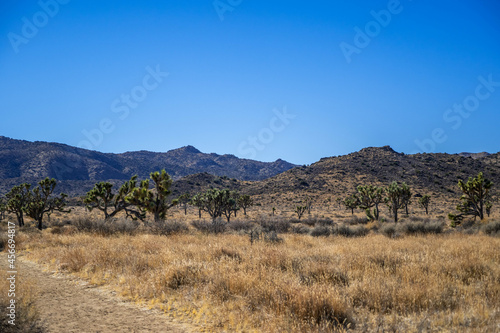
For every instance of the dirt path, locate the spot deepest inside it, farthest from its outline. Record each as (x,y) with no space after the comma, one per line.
(67,305)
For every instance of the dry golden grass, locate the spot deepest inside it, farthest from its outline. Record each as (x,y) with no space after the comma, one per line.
(26,314)
(305,284)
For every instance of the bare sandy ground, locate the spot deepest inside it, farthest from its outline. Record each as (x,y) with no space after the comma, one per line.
(67,305)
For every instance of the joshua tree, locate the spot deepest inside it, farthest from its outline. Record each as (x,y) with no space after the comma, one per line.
(41,203)
(17,200)
(309,205)
(229,203)
(370,196)
(184,201)
(245,201)
(351,202)
(299,210)
(101,197)
(487,206)
(474,199)
(406,197)
(154,200)
(217,203)
(197,201)
(424,203)
(395,198)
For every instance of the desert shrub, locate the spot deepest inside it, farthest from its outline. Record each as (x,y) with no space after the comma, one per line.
(324,222)
(271,237)
(353,220)
(411,228)
(389,229)
(56,230)
(300,229)
(177,277)
(317,221)
(168,227)
(106,228)
(210,227)
(320,231)
(60,223)
(492,228)
(350,231)
(240,225)
(419,219)
(276,225)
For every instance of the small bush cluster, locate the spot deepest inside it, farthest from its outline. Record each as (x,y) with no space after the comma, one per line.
(241,225)
(210,227)
(350,231)
(168,227)
(320,231)
(412,228)
(315,221)
(106,228)
(274,225)
(492,228)
(356,220)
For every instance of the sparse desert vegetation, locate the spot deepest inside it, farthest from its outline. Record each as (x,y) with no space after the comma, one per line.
(284,271)
(222,282)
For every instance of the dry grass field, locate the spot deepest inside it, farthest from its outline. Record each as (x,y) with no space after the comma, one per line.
(221,282)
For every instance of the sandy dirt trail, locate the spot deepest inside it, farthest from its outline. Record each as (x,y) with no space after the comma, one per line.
(67,304)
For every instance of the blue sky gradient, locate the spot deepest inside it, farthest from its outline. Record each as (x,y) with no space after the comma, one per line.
(257,79)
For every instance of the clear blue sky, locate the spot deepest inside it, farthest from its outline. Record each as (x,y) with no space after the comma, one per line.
(234,65)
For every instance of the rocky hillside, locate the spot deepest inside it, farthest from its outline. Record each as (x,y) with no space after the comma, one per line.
(76,169)
(336,177)
(277,184)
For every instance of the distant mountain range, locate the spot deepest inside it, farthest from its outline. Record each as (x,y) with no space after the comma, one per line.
(273,183)
(76,169)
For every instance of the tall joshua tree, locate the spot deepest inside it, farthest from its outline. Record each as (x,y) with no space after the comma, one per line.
(17,200)
(184,200)
(245,201)
(424,202)
(101,197)
(42,203)
(197,201)
(370,196)
(474,198)
(154,200)
(406,192)
(395,195)
(351,202)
